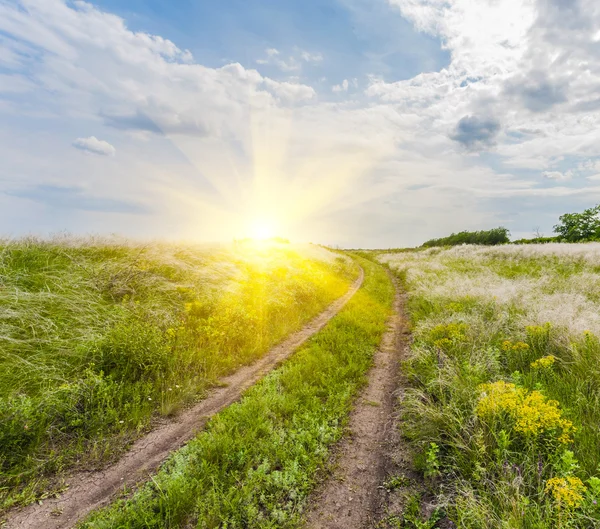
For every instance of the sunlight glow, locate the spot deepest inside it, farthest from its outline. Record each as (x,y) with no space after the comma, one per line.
(277,182)
(262,229)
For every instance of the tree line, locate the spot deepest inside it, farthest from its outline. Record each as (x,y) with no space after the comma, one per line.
(572,227)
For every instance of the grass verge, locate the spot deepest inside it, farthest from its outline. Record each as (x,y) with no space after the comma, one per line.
(98,337)
(257,460)
(504,407)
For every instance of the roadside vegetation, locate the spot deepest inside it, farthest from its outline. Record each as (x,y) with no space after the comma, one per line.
(257,460)
(504,400)
(98,337)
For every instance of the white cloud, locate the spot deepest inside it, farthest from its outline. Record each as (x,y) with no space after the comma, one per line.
(93,145)
(292,63)
(88,63)
(290,91)
(531,64)
(310,57)
(589,165)
(343,87)
(557,175)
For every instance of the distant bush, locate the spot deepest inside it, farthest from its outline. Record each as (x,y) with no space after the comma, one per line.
(487,237)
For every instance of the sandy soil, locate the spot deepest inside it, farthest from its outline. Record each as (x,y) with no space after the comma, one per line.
(90,490)
(354,496)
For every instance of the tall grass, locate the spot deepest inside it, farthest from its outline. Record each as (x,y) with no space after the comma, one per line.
(257,460)
(505,400)
(99,336)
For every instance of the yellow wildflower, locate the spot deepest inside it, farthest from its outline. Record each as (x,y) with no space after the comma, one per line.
(443,343)
(546,362)
(534,330)
(450,331)
(532,413)
(567,492)
(508,345)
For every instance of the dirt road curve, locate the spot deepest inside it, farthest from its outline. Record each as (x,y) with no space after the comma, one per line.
(91,490)
(353,496)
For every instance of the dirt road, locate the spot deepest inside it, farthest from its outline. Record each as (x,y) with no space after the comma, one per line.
(354,497)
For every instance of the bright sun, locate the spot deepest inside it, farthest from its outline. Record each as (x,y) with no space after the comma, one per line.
(263,229)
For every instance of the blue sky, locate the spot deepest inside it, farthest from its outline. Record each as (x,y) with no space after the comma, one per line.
(372,123)
(361,36)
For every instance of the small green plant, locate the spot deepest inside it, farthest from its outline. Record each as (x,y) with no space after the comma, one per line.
(414,518)
(396,482)
(432,461)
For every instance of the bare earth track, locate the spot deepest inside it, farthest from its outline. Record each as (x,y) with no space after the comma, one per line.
(353,497)
(90,490)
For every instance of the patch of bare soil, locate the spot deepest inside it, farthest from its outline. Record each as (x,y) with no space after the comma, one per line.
(90,490)
(356,495)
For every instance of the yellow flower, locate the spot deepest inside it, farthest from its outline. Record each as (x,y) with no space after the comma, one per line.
(546,362)
(532,413)
(455,307)
(449,331)
(566,492)
(507,345)
(443,343)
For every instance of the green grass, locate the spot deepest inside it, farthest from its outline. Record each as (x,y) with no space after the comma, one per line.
(258,460)
(500,458)
(98,337)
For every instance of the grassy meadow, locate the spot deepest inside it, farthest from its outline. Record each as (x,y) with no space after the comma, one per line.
(98,337)
(503,408)
(257,460)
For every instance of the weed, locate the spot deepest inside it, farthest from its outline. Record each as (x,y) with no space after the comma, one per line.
(396,482)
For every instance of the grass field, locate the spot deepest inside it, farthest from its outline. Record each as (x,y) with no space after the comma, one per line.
(503,412)
(98,337)
(257,460)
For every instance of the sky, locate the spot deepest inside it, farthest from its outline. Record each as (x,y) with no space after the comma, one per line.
(354,123)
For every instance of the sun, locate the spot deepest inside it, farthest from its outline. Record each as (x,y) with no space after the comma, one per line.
(262,229)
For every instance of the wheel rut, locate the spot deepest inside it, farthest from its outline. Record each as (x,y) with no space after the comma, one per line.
(354,496)
(88,491)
